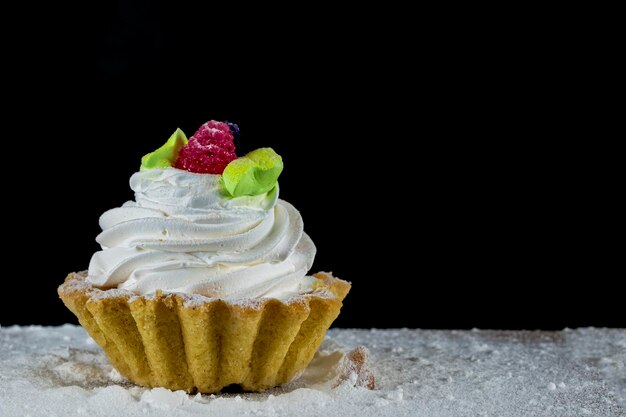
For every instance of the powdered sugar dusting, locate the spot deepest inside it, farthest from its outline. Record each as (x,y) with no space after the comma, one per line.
(59,371)
(112,293)
(77,282)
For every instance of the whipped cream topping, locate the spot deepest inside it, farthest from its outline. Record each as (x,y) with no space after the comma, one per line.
(184,234)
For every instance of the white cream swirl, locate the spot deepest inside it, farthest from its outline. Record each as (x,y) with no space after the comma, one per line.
(183,234)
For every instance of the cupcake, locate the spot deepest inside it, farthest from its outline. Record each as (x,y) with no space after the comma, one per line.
(202,281)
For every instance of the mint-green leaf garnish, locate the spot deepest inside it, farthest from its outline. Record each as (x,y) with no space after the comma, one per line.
(166,155)
(253,174)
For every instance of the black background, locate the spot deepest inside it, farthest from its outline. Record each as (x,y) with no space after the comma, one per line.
(456,181)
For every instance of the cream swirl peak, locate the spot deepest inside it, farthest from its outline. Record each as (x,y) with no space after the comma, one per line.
(183,234)
(225,236)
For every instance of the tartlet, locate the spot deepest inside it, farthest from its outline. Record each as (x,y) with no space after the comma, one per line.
(201,283)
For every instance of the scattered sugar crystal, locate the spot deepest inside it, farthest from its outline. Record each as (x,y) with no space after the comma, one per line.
(115,376)
(163,398)
(396,395)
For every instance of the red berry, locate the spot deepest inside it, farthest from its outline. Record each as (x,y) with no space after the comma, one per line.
(209,150)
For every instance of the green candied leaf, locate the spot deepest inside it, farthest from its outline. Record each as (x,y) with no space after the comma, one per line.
(253,174)
(166,155)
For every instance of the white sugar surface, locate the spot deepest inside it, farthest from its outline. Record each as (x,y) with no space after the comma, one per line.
(60,371)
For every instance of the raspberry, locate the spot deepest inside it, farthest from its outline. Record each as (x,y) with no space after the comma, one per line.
(209,150)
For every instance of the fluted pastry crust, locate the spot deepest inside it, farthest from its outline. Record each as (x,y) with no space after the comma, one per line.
(200,344)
